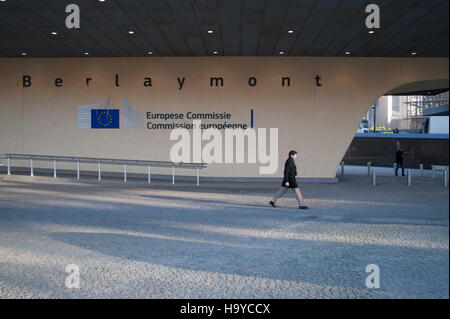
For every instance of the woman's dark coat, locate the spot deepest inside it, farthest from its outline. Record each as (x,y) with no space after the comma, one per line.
(290,172)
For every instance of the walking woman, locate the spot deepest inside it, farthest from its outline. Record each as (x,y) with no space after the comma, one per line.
(289,181)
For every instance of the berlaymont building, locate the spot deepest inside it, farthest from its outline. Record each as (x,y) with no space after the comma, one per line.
(311,70)
(192,99)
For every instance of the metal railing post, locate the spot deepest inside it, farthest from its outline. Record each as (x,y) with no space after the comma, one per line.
(124,172)
(78,169)
(374,177)
(395,168)
(149,175)
(173,175)
(409,177)
(433,172)
(99,172)
(31,167)
(421,169)
(54,168)
(198,177)
(9,167)
(369,166)
(342,168)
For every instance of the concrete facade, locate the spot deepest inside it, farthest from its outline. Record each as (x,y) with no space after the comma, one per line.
(318,121)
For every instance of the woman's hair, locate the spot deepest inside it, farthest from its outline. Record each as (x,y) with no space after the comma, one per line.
(292,153)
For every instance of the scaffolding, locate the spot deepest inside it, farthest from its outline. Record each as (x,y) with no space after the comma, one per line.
(417,103)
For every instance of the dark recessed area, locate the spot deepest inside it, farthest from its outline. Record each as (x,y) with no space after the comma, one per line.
(240,28)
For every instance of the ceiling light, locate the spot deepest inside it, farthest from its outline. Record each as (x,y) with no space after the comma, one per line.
(215,52)
(291,31)
(371,32)
(347,53)
(413,53)
(150,52)
(54,33)
(131,32)
(23,53)
(281,52)
(210,31)
(86,53)
(102,0)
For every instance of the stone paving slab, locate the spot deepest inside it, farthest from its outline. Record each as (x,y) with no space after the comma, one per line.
(222,240)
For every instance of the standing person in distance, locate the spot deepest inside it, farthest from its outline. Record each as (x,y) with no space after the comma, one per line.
(399,160)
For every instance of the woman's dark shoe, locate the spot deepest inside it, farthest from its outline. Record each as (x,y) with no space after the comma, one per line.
(302,207)
(272,204)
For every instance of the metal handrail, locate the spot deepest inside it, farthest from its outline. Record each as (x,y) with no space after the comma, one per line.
(103,160)
(99,161)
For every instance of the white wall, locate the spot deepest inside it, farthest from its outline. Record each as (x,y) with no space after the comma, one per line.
(438,125)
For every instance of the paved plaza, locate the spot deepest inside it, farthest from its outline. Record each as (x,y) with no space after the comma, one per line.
(222,240)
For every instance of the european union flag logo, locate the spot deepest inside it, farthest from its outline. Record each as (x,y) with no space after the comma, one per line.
(105,118)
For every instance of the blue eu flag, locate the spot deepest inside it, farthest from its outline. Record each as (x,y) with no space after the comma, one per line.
(105,118)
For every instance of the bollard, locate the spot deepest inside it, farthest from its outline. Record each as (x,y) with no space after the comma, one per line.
(124,172)
(369,166)
(149,175)
(78,169)
(198,178)
(9,168)
(99,172)
(446,177)
(374,178)
(54,168)
(31,167)
(395,168)
(409,177)
(421,169)
(173,175)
